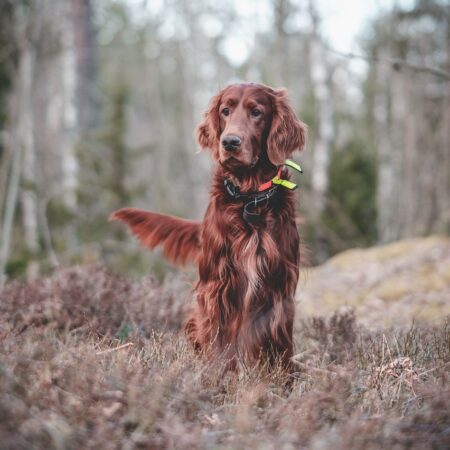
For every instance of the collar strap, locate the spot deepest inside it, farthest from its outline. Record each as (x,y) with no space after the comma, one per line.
(235,192)
(252,199)
(263,194)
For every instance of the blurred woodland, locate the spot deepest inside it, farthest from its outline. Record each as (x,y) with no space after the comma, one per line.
(99,100)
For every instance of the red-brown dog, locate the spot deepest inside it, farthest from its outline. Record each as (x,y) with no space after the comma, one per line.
(247,246)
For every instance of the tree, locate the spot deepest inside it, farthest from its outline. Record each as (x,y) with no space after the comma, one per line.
(410,121)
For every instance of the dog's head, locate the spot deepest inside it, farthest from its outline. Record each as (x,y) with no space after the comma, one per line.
(248,122)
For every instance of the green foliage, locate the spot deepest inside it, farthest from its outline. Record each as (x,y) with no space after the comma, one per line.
(16,267)
(125,331)
(106,154)
(307,113)
(59,214)
(7,60)
(350,215)
(114,139)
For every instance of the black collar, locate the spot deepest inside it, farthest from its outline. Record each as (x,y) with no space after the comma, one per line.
(265,192)
(252,199)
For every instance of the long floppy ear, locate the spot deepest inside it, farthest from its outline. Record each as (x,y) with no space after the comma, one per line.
(208,131)
(287,132)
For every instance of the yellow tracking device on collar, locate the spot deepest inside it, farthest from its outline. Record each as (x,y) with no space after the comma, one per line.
(285,183)
(293,165)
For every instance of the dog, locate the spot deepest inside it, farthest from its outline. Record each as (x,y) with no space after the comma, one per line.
(247,247)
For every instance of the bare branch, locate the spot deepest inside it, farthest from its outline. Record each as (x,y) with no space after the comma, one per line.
(396,63)
(120,347)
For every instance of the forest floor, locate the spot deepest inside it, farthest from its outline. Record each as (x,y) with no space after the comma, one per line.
(89,359)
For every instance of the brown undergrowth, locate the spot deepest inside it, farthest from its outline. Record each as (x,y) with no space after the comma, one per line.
(91,360)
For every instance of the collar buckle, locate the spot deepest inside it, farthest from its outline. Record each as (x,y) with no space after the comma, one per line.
(267,190)
(231,188)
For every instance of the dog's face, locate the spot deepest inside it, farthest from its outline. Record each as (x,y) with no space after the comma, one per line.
(245,115)
(246,122)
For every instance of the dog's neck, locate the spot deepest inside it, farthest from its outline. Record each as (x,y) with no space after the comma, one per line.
(247,178)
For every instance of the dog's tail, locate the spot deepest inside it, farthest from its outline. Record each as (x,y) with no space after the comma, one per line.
(180,238)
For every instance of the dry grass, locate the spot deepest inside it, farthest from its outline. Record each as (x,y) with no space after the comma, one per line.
(92,360)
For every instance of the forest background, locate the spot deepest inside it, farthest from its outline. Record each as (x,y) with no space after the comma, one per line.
(99,100)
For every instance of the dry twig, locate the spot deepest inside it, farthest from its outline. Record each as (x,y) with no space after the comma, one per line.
(120,347)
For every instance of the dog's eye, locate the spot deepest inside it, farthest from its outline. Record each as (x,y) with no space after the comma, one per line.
(256,112)
(226,111)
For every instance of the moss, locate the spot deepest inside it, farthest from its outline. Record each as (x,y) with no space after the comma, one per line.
(388,284)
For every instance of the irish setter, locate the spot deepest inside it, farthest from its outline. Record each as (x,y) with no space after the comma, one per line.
(247,246)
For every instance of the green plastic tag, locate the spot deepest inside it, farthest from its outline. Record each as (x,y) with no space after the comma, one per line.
(285,183)
(294,165)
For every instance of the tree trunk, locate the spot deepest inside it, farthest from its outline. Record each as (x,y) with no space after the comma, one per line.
(26,136)
(281,60)
(325,133)
(69,162)
(5,167)
(386,176)
(10,208)
(87,94)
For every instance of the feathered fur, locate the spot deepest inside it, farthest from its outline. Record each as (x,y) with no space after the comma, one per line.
(248,273)
(179,238)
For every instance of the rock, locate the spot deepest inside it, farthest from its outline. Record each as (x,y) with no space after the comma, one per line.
(386,285)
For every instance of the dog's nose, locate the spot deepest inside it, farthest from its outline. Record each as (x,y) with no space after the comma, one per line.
(231,142)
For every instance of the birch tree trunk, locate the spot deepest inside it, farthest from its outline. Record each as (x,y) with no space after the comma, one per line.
(69,162)
(87,95)
(23,148)
(325,131)
(387,169)
(411,112)
(24,158)
(281,66)
(5,167)
(83,96)
(10,209)
(322,148)
(26,136)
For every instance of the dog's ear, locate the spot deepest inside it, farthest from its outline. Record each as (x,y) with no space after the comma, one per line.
(287,132)
(208,131)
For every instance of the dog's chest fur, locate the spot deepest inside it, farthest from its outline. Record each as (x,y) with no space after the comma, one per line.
(244,259)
